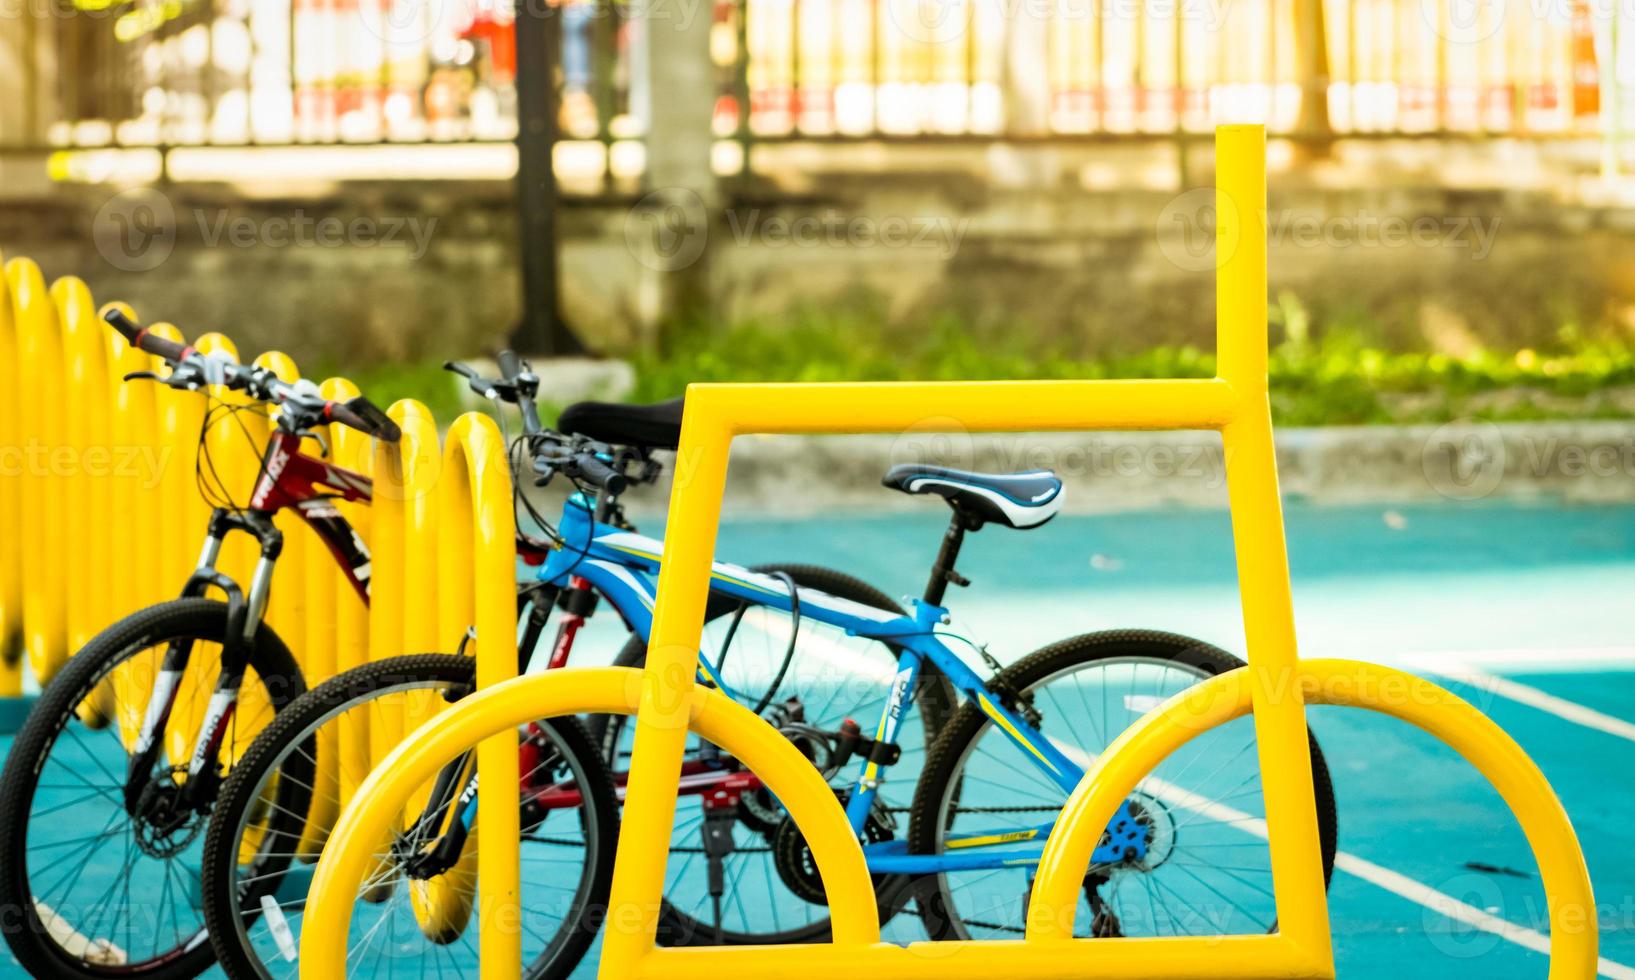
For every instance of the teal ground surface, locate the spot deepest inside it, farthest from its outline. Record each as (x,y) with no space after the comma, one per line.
(1538,594)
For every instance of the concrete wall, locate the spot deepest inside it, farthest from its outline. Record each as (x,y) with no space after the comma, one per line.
(1461,463)
(1089,247)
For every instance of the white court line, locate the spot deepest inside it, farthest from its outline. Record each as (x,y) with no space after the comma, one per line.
(1382,877)
(1564,660)
(1571,711)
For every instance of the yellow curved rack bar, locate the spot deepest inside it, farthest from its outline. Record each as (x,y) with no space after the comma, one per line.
(13,471)
(1235,403)
(44,549)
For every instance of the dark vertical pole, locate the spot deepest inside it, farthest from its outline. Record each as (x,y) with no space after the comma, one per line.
(539,48)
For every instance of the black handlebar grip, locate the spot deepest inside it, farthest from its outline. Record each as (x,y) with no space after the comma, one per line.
(602,475)
(510,365)
(462,370)
(362,414)
(139,338)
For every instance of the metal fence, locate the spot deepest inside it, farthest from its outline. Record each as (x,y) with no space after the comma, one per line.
(233,72)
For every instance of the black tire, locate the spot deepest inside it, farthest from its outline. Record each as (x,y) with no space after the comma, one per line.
(934,697)
(948,755)
(230,910)
(33,943)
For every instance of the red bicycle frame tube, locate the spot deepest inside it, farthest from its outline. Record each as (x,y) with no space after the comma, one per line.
(291,478)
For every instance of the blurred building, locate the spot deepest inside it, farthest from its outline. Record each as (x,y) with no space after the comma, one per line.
(861,107)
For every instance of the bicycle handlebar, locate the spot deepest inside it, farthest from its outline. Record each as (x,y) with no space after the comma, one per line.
(588,467)
(552,452)
(191,369)
(139,338)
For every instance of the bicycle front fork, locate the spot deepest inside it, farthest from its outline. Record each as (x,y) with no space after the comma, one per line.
(244,616)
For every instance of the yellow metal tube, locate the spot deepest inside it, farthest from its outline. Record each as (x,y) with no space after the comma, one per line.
(1240,259)
(496,711)
(1258,538)
(87,428)
(180,415)
(1167,958)
(1140,748)
(1570,900)
(476,485)
(1274,687)
(349,449)
(45,504)
(226,468)
(667,685)
(954,406)
(11,506)
(92,601)
(134,513)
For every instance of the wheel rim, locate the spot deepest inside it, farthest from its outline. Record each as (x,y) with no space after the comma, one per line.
(387,936)
(1207,869)
(119,894)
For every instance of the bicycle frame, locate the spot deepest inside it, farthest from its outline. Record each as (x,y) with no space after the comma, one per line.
(288,478)
(621,564)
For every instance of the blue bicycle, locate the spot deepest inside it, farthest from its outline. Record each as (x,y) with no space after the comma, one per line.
(865,688)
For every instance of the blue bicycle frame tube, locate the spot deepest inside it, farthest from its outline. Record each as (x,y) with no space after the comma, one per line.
(622,566)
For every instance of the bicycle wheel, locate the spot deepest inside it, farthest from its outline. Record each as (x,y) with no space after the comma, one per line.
(1205,868)
(834,677)
(255,889)
(100,890)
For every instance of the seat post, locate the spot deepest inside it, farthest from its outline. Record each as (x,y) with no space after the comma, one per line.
(942,572)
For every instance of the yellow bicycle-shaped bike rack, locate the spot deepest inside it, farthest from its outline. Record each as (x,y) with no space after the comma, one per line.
(1275,687)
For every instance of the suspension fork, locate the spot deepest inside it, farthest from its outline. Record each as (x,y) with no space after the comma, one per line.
(244,616)
(580,603)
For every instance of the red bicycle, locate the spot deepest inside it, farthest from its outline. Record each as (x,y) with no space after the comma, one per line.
(102,814)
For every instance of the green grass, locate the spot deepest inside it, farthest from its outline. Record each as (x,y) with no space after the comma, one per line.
(1331,376)
(1335,378)
(425,381)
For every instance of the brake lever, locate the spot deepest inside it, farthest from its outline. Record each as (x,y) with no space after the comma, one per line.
(482,386)
(143,376)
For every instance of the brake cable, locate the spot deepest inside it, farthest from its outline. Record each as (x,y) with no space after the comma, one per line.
(794,636)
